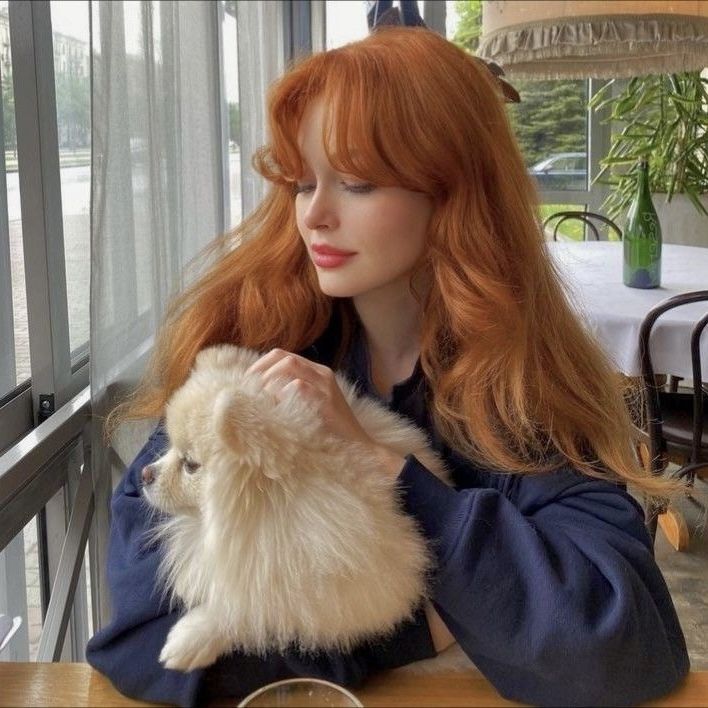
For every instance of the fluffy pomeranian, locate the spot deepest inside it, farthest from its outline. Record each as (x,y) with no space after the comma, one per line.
(277,534)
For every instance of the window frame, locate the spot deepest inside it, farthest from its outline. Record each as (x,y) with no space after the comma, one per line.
(54,371)
(44,493)
(597,146)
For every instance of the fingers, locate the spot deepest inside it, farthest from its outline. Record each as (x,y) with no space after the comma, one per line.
(267,360)
(284,374)
(279,363)
(296,387)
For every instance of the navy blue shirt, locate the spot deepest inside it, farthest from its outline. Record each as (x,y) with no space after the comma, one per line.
(548,582)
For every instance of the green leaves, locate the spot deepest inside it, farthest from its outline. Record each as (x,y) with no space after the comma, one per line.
(469,26)
(665,118)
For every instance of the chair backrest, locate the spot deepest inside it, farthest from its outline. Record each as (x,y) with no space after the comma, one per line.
(587,217)
(655,420)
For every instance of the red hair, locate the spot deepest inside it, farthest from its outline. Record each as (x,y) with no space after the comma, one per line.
(517,384)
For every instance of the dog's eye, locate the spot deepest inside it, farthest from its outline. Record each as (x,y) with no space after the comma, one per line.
(190,465)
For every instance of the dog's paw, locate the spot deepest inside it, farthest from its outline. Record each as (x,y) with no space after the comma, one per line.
(189,647)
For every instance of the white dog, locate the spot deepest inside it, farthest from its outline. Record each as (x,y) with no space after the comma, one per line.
(279,534)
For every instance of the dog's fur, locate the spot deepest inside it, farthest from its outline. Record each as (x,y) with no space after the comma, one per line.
(284,535)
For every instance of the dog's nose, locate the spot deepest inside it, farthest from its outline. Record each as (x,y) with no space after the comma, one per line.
(148,475)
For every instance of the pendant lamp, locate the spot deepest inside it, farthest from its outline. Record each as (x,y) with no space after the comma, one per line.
(588,39)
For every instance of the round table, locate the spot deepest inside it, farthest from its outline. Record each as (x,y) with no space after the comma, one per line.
(592,274)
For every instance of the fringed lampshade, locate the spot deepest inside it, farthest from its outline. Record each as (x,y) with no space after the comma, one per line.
(589,39)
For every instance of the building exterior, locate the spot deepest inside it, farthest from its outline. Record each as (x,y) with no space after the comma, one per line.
(71,75)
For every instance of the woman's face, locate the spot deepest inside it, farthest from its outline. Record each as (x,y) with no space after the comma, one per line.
(381,231)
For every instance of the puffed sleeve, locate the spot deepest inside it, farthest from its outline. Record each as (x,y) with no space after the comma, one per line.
(550,586)
(127,649)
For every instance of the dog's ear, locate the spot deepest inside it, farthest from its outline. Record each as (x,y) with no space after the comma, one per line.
(241,426)
(247,430)
(235,420)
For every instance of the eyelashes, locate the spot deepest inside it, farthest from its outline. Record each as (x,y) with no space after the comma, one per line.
(364,188)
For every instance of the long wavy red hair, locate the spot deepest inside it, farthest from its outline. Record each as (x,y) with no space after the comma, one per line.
(517,383)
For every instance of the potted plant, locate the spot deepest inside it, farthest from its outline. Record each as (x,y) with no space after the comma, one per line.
(663,117)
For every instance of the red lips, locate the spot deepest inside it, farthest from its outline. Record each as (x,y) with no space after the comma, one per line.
(323,250)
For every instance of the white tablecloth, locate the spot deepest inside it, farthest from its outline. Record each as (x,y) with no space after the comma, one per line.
(592,273)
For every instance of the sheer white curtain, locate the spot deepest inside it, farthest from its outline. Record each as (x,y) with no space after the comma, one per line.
(261,58)
(158,185)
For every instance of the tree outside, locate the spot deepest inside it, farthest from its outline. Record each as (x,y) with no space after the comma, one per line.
(73,105)
(73,111)
(551,118)
(469,26)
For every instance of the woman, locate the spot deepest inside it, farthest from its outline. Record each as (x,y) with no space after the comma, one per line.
(399,242)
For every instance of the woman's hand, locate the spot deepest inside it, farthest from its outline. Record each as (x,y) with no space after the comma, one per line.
(283,373)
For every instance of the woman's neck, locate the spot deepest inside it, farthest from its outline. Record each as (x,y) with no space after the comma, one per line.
(392,323)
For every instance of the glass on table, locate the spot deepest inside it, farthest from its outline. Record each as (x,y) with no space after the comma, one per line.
(301,692)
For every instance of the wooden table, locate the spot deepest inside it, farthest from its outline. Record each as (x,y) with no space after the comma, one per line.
(32,684)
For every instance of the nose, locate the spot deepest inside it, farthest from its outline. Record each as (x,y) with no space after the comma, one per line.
(148,475)
(320,213)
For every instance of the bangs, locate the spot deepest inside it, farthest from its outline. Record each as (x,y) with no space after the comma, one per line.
(355,134)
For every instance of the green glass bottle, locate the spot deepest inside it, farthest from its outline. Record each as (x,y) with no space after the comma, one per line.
(642,237)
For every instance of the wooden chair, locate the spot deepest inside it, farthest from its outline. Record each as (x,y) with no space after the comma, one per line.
(674,419)
(587,217)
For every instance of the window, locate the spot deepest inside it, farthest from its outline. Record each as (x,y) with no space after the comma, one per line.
(14,338)
(551,126)
(44,253)
(44,289)
(70,34)
(345,22)
(560,139)
(231,96)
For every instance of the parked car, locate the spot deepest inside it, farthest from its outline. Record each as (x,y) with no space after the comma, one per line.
(565,170)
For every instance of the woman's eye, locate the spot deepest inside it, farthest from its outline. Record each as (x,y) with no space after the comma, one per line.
(190,465)
(362,188)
